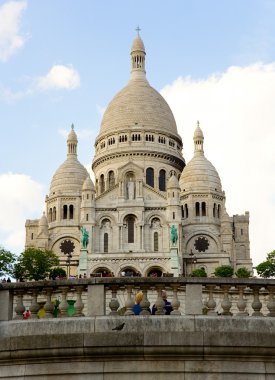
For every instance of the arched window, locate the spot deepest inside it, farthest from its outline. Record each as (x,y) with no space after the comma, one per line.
(150,176)
(50,215)
(219,211)
(87,217)
(102,184)
(87,196)
(203,209)
(71,211)
(156,241)
(54,214)
(131,229)
(197,209)
(162,180)
(186,211)
(214,210)
(32,236)
(65,212)
(111,178)
(106,241)
(182,212)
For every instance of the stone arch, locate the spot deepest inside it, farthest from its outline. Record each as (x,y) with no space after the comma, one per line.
(130,167)
(100,268)
(125,213)
(105,234)
(130,268)
(214,246)
(154,214)
(106,215)
(72,236)
(111,179)
(155,268)
(130,184)
(150,176)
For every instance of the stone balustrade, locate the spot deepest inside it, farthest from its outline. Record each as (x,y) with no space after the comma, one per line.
(115,296)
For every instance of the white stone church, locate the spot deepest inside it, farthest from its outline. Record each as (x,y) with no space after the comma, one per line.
(143,192)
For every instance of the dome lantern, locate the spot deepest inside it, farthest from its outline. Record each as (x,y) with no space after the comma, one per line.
(72,143)
(198,140)
(138,58)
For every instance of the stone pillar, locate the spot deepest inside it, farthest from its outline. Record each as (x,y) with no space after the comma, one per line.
(6,301)
(175,263)
(193,301)
(83,262)
(96,300)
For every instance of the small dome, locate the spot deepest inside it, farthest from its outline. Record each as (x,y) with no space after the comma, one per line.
(200,175)
(173,182)
(69,177)
(72,135)
(88,184)
(43,220)
(198,134)
(138,44)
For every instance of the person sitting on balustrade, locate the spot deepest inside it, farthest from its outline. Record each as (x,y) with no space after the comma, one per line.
(167,307)
(137,308)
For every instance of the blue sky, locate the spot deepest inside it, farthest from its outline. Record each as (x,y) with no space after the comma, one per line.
(213,60)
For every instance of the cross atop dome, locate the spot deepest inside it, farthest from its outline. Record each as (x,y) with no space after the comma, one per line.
(138,29)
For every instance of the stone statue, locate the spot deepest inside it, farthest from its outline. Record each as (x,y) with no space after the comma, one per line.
(174,235)
(84,237)
(131,189)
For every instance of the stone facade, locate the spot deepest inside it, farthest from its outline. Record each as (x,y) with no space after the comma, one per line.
(143,192)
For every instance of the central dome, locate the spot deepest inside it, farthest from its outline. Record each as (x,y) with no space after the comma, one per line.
(138,103)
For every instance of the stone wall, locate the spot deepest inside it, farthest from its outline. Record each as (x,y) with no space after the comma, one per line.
(182,347)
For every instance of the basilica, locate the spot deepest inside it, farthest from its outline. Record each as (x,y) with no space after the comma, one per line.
(147,213)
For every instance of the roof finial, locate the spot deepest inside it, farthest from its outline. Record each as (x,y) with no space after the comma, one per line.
(198,123)
(138,29)
(72,126)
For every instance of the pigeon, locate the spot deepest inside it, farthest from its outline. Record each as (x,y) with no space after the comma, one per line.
(119,327)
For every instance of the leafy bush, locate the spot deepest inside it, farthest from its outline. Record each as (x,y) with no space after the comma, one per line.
(7,260)
(224,271)
(199,272)
(266,269)
(58,272)
(35,264)
(243,272)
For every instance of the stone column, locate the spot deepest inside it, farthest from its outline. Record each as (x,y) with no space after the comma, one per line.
(6,301)
(193,302)
(96,300)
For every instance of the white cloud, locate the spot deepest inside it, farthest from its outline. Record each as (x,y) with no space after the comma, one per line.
(236,111)
(59,77)
(20,198)
(10,38)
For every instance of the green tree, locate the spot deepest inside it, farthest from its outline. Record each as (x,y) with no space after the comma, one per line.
(267,268)
(224,271)
(36,264)
(7,260)
(199,272)
(243,272)
(58,272)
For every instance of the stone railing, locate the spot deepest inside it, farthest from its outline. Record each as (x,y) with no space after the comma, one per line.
(115,296)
